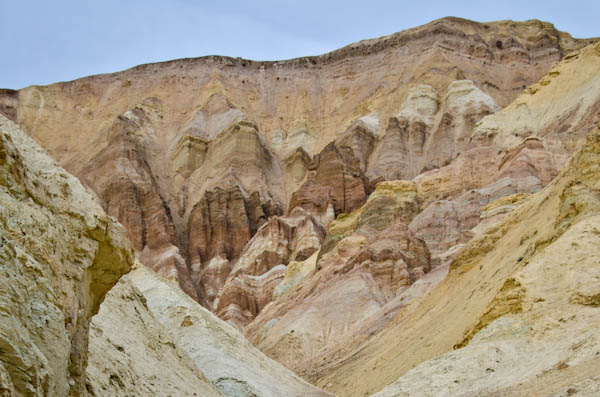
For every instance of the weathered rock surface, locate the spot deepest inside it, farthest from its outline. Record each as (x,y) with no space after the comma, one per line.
(123,178)
(429,131)
(364,281)
(132,354)
(536,334)
(262,265)
(446,223)
(172,337)
(368,258)
(334,180)
(233,187)
(521,290)
(511,152)
(187,152)
(59,255)
(533,136)
(8,103)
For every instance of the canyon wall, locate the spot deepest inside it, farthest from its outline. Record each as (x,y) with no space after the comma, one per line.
(59,254)
(193,156)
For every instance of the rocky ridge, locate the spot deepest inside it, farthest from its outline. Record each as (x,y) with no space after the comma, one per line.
(205,355)
(60,254)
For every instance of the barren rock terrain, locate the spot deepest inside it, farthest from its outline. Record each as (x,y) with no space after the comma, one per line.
(59,255)
(175,346)
(416,214)
(523,229)
(539,270)
(193,156)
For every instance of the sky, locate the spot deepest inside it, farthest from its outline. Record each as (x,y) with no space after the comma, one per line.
(44,41)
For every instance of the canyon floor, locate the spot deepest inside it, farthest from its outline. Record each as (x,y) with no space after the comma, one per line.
(412,215)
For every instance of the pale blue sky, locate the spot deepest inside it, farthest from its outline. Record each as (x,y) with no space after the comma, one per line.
(46,41)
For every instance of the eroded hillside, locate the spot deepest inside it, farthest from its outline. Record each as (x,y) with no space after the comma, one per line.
(150,338)
(519,305)
(194,156)
(377,219)
(499,273)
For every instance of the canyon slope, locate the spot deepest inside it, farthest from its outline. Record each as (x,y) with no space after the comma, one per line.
(193,156)
(516,252)
(59,255)
(150,338)
(409,215)
(62,261)
(519,306)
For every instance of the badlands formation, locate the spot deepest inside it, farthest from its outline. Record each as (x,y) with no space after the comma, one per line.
(414,215)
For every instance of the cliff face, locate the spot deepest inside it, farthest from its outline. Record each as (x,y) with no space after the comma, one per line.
(355,214)
(59,255)
(193,156)
(503,292)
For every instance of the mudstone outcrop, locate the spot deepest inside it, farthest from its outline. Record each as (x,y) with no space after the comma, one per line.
(377,219)
(194,160)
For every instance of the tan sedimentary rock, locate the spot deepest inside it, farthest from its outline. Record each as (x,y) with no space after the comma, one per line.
(534,135)
(517,150)
(59,255)
(561,117)
(295,273)
(429,131)
(536,336)
(199,159)
(445,223)
(8,103)
(174,133)
(368,258)
(334,179)
(513,291)
(261,266)
(123,178)
(224,201)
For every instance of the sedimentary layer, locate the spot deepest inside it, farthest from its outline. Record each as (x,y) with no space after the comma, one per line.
(189,153)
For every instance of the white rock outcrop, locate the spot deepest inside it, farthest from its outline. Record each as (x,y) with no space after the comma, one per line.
(154,339)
